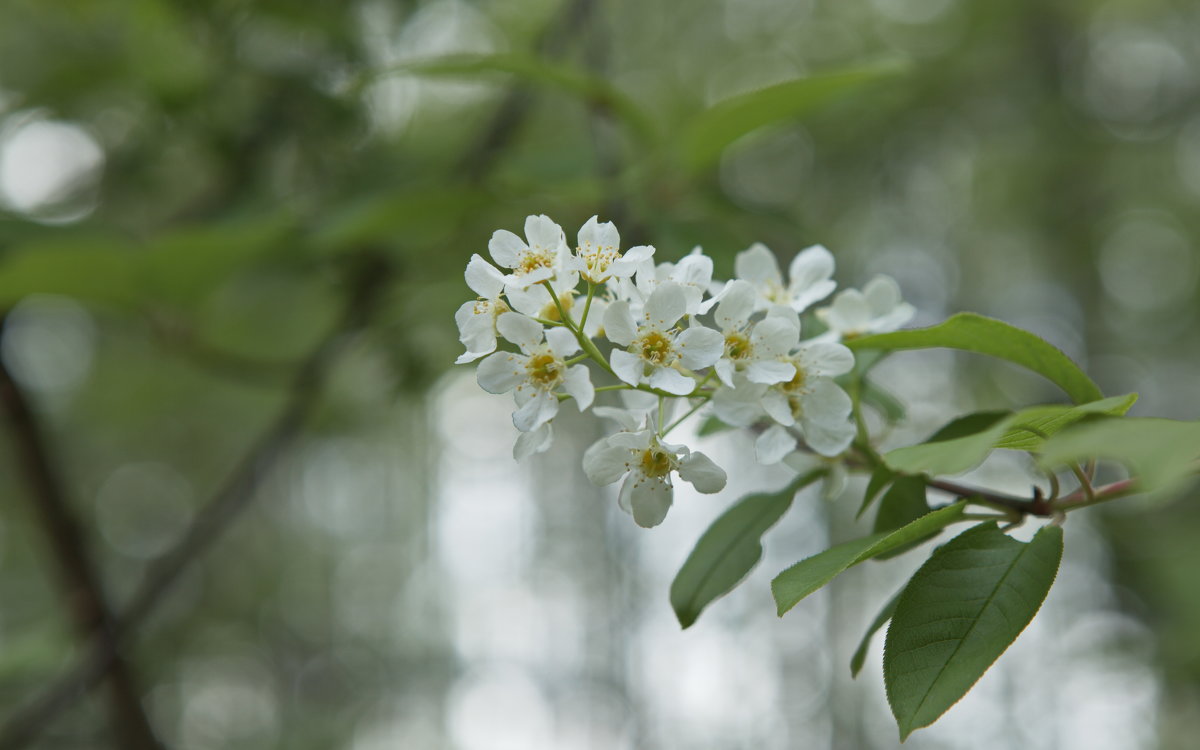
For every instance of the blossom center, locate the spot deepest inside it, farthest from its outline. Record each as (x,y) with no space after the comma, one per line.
(597,259)
(798,381)
(545,370)
(531,260)
(737,346)
(550,311)
(656,462)
(655,347)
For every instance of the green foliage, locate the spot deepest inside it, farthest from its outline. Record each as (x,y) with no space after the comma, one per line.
(1160,453)
(960,611)
(881,619)
(1024,429)
(975,333)
(729,549)
(592,89)
(705,137)
(811,573)
(903,503)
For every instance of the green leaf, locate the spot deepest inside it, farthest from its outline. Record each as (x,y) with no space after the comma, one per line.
(860,653)
(958,613)
(711,426)
(593,89)
(729,549)
(887,404)
(811,573)
(879,479)
(976,333)
(708,133)
(903,503)
(1024,429)
(966,425)
(95,270)
(1160,453)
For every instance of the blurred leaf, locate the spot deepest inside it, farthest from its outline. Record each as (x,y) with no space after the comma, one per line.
(860,653)
(396,217)
(976,333)
(879,479)
(961,454)
(593,89)
(95,270)
(705,137)
(711,426)
(958,613)
(811,573)
(182,266)
(968,424)
(1158,452)
(729,549)
(903,503)
(887,404)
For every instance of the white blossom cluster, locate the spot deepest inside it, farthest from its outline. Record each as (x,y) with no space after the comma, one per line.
(665,334)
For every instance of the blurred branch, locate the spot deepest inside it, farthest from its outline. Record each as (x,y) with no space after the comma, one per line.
(518,101)
(90,612)
(234,496)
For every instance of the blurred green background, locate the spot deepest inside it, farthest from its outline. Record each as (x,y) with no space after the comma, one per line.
(222,220)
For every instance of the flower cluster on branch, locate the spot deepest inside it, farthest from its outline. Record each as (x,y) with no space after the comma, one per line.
(671,339)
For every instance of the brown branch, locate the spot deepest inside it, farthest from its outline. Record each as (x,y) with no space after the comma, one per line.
(233,497)
(90,613)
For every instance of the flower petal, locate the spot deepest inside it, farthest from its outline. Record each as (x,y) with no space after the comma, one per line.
(825,359)
(628,367)
(578,384)
(700,347)
(484,278)
(827,439)
(740,406)
(650,499)
(535,441)
(535,412)
(666,305)
(562,342)
(605,463)
(774,336)
(523,331)
(757,264)
(544,235)
(777,407)
(619,327)
(506,248)
(809,274)
(737,305)
(671,381)
(704,475)
(501,372)
(770,371)
(775,443)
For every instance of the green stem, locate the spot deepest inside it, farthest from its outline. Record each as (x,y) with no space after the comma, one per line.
(562,312)
(587,306)
(689,413)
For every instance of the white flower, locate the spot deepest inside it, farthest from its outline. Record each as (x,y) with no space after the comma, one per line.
(534,441)
(811,401)
(878,308)
(536,302)
(655,348)
(647,465)
(756,349)
(598,257)
(536,262)
(537,372)
(693,273)
(476,319)
(810,276)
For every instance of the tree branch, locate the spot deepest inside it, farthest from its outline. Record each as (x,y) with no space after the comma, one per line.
(90,613)
(234,496)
